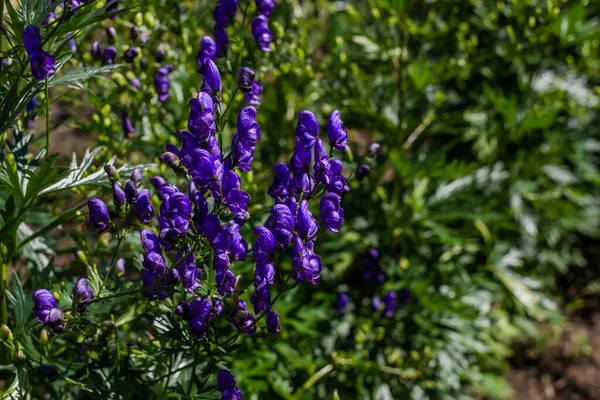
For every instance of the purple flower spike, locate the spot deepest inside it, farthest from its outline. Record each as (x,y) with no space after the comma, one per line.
(42,62)
(198,316)
(208,49)
(261,33)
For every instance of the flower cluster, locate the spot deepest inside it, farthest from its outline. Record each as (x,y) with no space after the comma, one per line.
(42,62)
(260,24)
(224,14)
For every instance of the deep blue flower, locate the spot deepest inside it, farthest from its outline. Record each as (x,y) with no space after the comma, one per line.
(225,11)
(342,302)
(336,133)
(153,259)
(99,217)
(264,246)
(307,129)
(127,125)
(264,271)
(214,232)
(162,84)
(212,78)
(224,278)
(217,308)
(372,272)
(306,223)
(200,211)
(265,6)
(109,55)
(111,34)
(238,248)
(55,320)
(273,322)
(300,160)
(42,62)
(131,54)
(243,319)
(120,267)
(332,215)
(248,130)
(43,302)
(130,192)
(198,316)
(245,79)
(142,207)
(282,221)
(281,181)
(376,303)
(136,83)
(253,96)
(261,33)
(208,49)
(82,295)
(183,309)
(337,181)
(201,122)
(306,265)
(362,171)
(222,40)
(96,51)
(242,156)
(134,32)
(322,167)
(389,300)
(72,46)
(136,177)
(261,297)
(227,387)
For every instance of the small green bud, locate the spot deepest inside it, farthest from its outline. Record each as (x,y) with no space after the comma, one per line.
(44,337)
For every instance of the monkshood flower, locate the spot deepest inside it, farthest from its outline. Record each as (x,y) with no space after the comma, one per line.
(281,224)
(242,319)
(307,130)
(113,7)
(238,248)
(372,272)
(198,316)
(305,222)
(264,246)
(332,214)
(362,171)
(160,53)
(265,6)
(272,322)
(82,295)
(261,297)
(208,49)
(109,55)
(245,79)
(342,302)
(215,234)
(119,199)
(134,32)
(336,133)
(120,267)
(162,84)
(72,46)
(224,278)
(99,217)
(376,303)
(136,177)
(212,78)
(281,181)
(153,261)
(127,125)
(174,217)
(217,308)
(227,387)
(306,265)
(374,148)
(248,130)
(389,300)
(253,96)
(337,181)
(322,166)
(201,122)
(45,310)
(111,34)
(189,273)
(96,51)
(142,207)
(136,83)
(131,54)
(261,33)
(222,40)
(31,105)
(42,62)
(225,11)
(183,309)
(150,291)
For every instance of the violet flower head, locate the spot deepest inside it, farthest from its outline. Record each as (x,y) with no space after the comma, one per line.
(96,51)
(162,84)
(253,96)
(362,171)
(342,302)
(109,55)
(261,297)
(42,62)
(306,223)
(306,265)
(243,319)
(282,224)
(127,125)
(142,207)
(198,316)
(224,278)
(389,300)
(248,130)
(264,246)
(43,302)
(332,214)
(265,6)
(214,232)
(131,54)
(222,40)
(82,295)
(281,181)
(262,34)
(208,49)
(225,11)
(212,78)
(153,260)
(201,122)
(336,133)
(307,130)
(55,320)
(99,217)
(273,325)
(245,79)
(227,387)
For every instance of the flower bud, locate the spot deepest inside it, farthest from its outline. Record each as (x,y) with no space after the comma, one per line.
(130,192)
(111,171)
(82,295)
(111,34)
(211,76)
(136,177)
(99,217)
(374,148)
(133,32)
(49,372)
(362,171)
(56,321)
(119,199)
(44,336)
(120,267)
(130,54)
(160,54)
(96,51)
(171,159)
(245,79)
(273,322)
(7,346)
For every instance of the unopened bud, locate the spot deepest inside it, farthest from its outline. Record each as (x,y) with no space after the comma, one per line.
(111,171)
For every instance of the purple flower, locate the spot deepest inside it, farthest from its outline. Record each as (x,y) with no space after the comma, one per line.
(96,51)
(238,248)
(136,83)
(372,272)
(342,302)
(261,297)
(261,33)
(336,133)
(198,316)
(272,322)
(136,177)
(264,246)
(227,387)
(201,122)
(390,304)
(307,130)
(109,55)
(208,49)
(31,105)
(374,148)
(42,62)
(306,265)
(43,302)
(376,303)
(214,232)
(281,181)
(362,171)
(322,167)
(82,295)
(225,11)
(153,261)
(183,309)
(332,215)
(131,192)
(142,207)
(264,271)
(248,130)
(242,319)
(245,79)
(265,6)
(222,40)
(337,181)
(72,46)
(212,78)
(99,217)
(307,224)
(120,267)
(127,125)
(113,7)
(130,54)
(253,96)
(161,84)
(55,320)
(224,278)
(282,221)
(242,155)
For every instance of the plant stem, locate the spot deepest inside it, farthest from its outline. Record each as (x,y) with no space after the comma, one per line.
(47,119)
(195,349)
(3,281)
(112,261)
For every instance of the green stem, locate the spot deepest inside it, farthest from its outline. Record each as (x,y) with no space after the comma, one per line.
(112,261)
(189,389)
(3,281)
(47,119)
